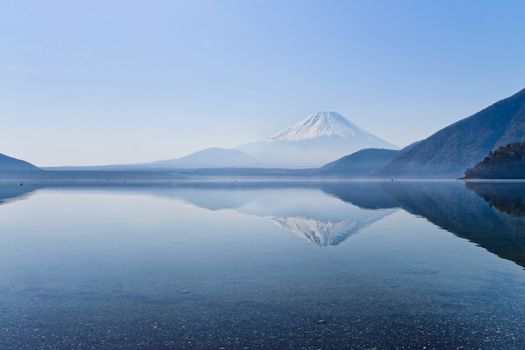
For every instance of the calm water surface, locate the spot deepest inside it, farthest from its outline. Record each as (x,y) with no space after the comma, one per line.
(262,265)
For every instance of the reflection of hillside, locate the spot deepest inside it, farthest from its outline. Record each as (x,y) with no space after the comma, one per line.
(10,191)
(507,197)
(479,213)
(451,206)
(456,209)
(366,195)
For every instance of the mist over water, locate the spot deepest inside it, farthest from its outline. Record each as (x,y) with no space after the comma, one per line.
(262,265)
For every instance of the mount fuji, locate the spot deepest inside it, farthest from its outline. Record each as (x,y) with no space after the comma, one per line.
(320,138)
(318,125)
(314,141)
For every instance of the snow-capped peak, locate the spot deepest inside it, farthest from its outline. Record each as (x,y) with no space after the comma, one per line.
(319,124)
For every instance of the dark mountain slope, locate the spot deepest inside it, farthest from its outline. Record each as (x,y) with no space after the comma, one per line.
(364,163)
(507,162)
(450,151)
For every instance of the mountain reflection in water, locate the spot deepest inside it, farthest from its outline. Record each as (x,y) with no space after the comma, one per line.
(202,265)
(489,214)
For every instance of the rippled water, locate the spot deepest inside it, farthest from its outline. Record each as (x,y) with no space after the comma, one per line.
(262,265)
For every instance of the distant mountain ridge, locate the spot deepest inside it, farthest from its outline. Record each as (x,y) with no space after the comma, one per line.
(364,163)
(450,151)
(310,143)
(210,158)
(13,164)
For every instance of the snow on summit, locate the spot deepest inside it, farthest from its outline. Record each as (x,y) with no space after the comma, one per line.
(313,142)
(317,125)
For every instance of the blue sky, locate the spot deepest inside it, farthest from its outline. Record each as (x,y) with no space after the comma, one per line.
(99,82)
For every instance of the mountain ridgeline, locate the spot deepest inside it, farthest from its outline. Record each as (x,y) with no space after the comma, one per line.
(452,150)
(309,147)
(210,158)
(325,136)
(10,164)
(364,163)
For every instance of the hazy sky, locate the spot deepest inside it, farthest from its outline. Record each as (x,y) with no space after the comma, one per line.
(97,82)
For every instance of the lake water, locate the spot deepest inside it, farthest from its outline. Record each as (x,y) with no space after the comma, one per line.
(275,265)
